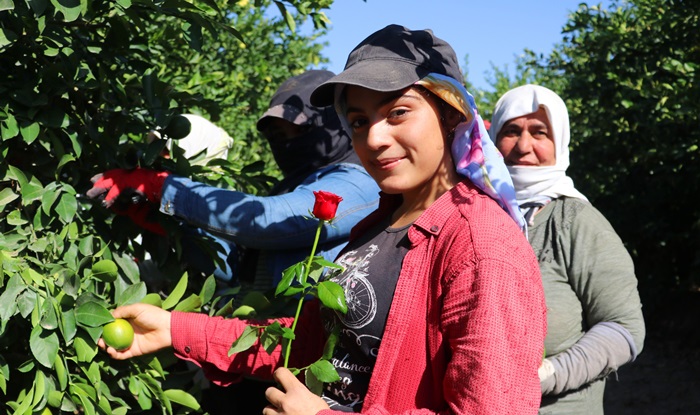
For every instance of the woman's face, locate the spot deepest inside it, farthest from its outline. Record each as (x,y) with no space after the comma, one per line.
(400,140)
(527,140)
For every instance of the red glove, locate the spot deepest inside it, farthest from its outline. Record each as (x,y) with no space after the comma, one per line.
(148,183)
(144,215)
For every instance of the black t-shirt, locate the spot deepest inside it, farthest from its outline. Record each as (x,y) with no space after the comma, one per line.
(372,266)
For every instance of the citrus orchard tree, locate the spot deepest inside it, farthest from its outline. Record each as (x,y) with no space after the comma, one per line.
(632,83)
(81,82)
(630,76)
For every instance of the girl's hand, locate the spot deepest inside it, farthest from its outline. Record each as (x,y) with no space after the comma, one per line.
(297,400)
(151,326)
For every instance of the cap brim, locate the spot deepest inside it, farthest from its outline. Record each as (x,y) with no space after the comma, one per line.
(286,112)
(378,75)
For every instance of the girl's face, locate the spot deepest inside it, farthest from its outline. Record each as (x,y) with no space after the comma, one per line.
(527,140)
(401,141)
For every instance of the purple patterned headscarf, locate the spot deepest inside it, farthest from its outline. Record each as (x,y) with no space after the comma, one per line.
(474,154)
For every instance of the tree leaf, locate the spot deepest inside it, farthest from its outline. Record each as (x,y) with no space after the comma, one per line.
(49,319)
(69,8)
(133,294)
(191,303)
(181,397)
(44,346)
(68,325)
(92,314)
(30,132)
(66,207)
(7,196)
(208,289)
(176,294)
(8,299)
(85,347)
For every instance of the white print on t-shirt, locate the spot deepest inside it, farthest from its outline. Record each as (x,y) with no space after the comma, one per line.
(373,351)
(338,389)
(359,294)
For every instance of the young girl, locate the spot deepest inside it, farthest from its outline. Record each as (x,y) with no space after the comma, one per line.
(451,318)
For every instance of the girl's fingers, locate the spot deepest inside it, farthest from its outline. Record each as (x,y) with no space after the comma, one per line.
(270,410)
(274,396)
(286,379)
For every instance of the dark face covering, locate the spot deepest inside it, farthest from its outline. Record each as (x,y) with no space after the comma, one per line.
(323,144)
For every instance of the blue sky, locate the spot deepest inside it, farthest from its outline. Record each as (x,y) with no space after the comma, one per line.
(490,31)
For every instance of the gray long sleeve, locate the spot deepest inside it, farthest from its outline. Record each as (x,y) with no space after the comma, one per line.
(603,349)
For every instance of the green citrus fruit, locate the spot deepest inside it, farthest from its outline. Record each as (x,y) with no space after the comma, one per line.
(257,300)
(46,411)
(105,270)
(118,334)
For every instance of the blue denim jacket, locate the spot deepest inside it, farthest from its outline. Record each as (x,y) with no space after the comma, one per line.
(280,224)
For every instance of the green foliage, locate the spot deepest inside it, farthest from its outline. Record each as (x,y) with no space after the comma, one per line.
(299,282)
(81,83)
(631,79)
(633,89)
(530,68)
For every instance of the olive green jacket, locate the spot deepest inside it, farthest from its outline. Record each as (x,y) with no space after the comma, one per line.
(594,314)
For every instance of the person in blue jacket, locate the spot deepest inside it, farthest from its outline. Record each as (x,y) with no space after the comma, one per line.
(272,232)
(314,153)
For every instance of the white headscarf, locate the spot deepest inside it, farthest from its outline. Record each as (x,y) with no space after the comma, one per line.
(204,135)
(538,183)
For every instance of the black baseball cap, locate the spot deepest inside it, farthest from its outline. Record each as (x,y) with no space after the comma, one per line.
(292,100)
(391,59)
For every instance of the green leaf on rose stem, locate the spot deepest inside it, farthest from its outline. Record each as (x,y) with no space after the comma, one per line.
(271,337)
(332,296)
(331,341)
(92,314)
(328,264)
(294,290)
(288,333)
(181,397)
(176,294)
(288,277)
(316,271)
(313,383)
(245,341)
(324,371)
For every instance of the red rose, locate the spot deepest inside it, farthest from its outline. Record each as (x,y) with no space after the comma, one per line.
(326,205)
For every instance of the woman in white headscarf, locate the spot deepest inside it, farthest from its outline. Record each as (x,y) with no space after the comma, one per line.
(594,316)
